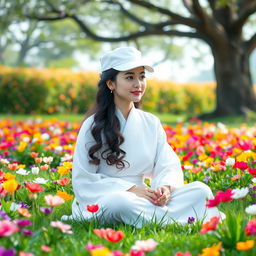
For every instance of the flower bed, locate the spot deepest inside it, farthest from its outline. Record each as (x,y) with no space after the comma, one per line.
(35,190)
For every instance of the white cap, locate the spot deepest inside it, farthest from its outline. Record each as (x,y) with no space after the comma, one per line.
(122,59)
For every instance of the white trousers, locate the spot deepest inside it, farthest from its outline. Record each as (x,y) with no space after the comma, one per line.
(186,201)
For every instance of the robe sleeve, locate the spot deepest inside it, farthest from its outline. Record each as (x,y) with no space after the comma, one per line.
(88,185)
(167,167)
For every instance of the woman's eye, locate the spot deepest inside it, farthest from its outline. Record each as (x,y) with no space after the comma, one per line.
(129,77)
(143,77)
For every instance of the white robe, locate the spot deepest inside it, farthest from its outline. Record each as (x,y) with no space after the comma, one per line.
(148,153)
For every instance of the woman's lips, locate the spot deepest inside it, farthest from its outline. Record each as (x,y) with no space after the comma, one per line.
(136,92)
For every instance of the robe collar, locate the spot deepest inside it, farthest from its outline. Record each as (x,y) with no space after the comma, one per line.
(122,120)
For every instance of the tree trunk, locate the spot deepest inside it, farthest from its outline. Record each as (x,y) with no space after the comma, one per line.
(234,91)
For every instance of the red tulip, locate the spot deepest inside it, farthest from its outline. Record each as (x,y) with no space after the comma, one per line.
(241,165)
(210,225)
(109,234)
(252,171)
(220,197)
(34,188)
(92,208)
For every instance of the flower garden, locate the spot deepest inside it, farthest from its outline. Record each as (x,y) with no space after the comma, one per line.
(36,190)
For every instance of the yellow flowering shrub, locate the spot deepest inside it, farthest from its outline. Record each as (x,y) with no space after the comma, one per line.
(64,91)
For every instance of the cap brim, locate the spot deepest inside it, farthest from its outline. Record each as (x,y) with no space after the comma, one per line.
(128,66)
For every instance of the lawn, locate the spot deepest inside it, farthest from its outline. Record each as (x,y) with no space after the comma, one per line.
(36,161)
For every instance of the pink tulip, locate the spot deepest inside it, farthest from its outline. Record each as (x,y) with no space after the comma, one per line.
(145,245)
(53,200)
(7,228)
(65,228)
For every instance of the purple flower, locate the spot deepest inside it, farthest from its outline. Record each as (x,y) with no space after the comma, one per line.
(27,232)
(23,223)
(191,220)
(53,170)
(46,210)
(206,179)
(24,205)
(4,215)
(4,252)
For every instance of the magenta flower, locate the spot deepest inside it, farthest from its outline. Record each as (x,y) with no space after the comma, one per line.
(90,246)
(7,228)
(27,232)
(191,220)
(4,252)
(46,210)
(23,223)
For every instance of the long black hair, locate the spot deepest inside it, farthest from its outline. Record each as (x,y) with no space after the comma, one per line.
(107,124)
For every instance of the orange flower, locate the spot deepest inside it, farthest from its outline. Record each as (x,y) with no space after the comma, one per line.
(211,251)
(10,185)
(44,167)
(34,154)
(244,246)
(24,212)
(64,181)
(9,176)
(210,225)
(64,195)
(13,166)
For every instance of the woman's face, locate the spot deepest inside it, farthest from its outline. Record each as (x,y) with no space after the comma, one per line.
(129,86)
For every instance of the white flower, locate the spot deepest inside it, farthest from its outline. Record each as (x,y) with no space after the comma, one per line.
(4,161)
(40,181)
(35,170)
(14,207)
(22,171)
(48,160)
(251,209)
(34,140)
(45,136)
(230,161)
(254,180)
(188,167)
(221,125)
(26,139)
(58,148)
(66,157)
(239,192)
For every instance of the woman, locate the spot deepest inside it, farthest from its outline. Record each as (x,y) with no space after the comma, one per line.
(119,144)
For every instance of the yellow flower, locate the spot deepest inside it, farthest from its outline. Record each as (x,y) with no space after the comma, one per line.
(211,251)
(244,246)
(64,195)
(65,168)
(10,185)
(22,146)
(104,251)
(202,157)
(246,156)
(9,176)
(22,166)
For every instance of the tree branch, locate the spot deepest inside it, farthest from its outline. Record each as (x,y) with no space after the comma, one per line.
(175,17)
(138,20)
(250,45)
(48,18)
(135,35)
(244,14)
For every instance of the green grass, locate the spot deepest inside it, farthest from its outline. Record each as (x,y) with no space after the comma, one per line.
(166,118)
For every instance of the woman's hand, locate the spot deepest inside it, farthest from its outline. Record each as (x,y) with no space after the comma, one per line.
(145,192)
(163,195)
